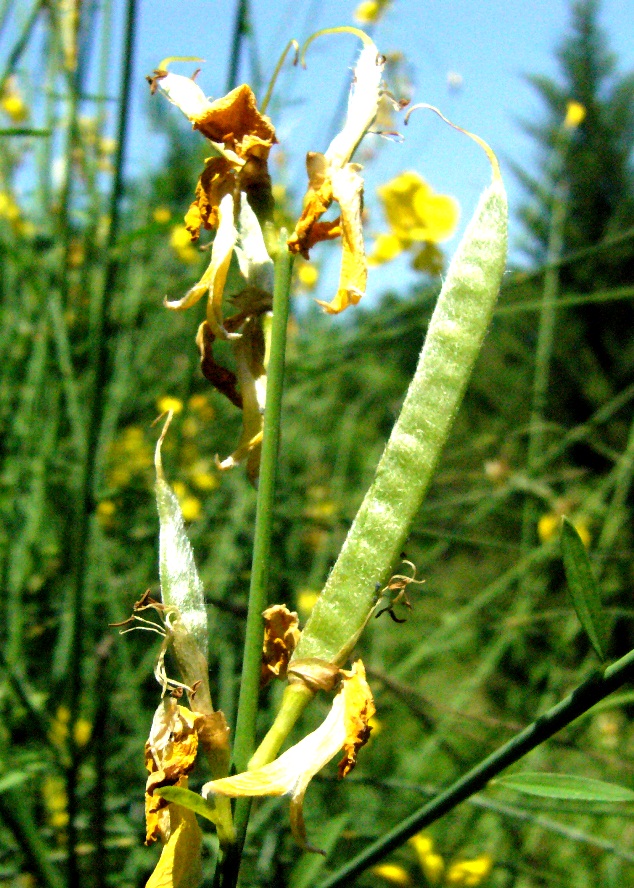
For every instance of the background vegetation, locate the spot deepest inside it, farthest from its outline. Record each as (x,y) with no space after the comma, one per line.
(87,356)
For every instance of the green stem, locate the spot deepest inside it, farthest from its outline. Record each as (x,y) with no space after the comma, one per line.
(17,817)
(90,463)
(244,743)
(239,33)
(595,688)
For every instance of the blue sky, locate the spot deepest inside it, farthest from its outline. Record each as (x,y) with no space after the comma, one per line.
(491,44)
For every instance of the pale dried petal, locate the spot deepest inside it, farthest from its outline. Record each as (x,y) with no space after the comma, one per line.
(363,105)
(185,94)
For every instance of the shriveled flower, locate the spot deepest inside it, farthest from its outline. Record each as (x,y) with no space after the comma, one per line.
(170,753)
(415,215)
(241,139)
(346,726)
(281,634)
(331,177)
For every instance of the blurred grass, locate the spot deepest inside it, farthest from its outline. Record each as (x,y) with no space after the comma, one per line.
(493,639)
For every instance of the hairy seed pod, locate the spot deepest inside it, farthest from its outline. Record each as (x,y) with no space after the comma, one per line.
(453,341)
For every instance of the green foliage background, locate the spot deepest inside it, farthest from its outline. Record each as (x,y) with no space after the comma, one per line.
(87,351)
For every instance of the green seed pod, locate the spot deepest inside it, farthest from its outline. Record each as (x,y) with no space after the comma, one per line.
(181,588)
(382,524)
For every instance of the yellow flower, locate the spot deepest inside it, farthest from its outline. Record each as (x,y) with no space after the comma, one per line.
(346,726)
(307,275)
(181,243)
(55,801)
(161,215)
(82,729)
(391,872)
(415,214)
(306,599)
(549,526)
(12,103)
(167,403)
(331,177)
(370,11)
(432,864)
(470,873)
(575,115)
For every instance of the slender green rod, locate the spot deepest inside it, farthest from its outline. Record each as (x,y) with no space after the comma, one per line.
(90,463)
(240,31)
(15,814)
(595,688)
(244,743)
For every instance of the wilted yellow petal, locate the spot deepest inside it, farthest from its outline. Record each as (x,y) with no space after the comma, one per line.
(180,864)
(347,189)
(290,774)
(170,753)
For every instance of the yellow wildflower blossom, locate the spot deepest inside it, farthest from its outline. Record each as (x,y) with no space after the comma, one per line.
(55,801)
(416,215)
(431,863)
(392,873)
(346,726)
(181,243)
(575,115)
(370,11)
(167,403)
(307,275)
(331,177)
(306,600)
(469,873)
(12,102)
(162,215)
(82,730)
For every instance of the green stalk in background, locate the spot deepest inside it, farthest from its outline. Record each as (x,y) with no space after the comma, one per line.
(595,688)
(244,742)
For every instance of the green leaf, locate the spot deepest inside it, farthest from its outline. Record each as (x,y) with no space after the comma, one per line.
(583,588)
(24,131)
(566,786)
(13,778)
(188,799)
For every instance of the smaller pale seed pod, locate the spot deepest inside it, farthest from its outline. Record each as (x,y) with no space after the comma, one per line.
(182,589)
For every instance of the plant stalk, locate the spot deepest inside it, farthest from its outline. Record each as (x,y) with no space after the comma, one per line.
(244,743)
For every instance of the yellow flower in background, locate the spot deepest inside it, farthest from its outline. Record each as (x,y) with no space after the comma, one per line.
(167,403)
(370,11)
(432,864)
(549,525)
(416,215)
(306,600)
(307,275)
(12,103)
(82,730)
(191,507)
(392,872)
(55,801)
(469,873)
(575,115)
(162,215)
(181,243)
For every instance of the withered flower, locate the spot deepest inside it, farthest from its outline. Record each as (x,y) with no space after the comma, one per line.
(331,177)
(346,727)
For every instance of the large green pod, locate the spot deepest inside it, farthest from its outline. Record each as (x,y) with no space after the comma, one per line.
(455,335)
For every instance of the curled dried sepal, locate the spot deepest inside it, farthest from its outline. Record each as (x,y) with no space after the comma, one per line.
(281,634)
(331,177)
(181,588)
(346,726)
